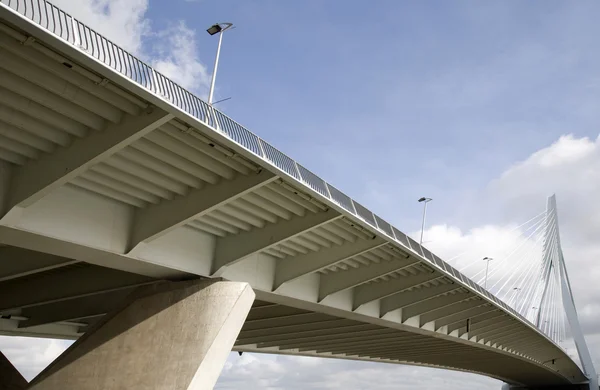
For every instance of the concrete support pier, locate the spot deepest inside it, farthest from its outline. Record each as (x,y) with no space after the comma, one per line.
(10,378)
(173,336)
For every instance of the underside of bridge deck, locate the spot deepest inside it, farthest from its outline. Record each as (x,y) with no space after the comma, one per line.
(50,296)
(107,187)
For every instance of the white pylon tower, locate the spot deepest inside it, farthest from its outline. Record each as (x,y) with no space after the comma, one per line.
(553,265)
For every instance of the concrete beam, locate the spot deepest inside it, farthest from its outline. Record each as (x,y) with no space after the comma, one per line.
(35,82)
(39,177)
(491,326)
(66,284)
(401,348)
(343,280)
(309,330)
(156,220)
(510,339)
(498,332)
(17,262)
(53,74)
(73,309)
(433,304)
(372,292)
(66,331)
(10,377)
(526,342)
(170,336)
(399,351)
(359,347)
(5,176)
(231,249)
(463,315)
(365,341)
(284,320)
(297,342)
(293,268)
(403,299)
(480,321)
(329,325)
(449,310)
(57,247)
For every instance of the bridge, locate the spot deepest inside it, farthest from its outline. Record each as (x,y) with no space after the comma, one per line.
(161,234)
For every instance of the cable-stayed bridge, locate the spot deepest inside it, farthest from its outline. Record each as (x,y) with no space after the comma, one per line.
(530,275)
(161,234)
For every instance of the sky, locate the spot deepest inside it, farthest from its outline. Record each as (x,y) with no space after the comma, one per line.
(486,107)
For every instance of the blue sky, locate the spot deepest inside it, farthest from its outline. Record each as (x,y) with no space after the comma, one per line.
(393,100)
(487,107)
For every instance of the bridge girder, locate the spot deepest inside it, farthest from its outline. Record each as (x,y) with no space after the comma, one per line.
(112,174)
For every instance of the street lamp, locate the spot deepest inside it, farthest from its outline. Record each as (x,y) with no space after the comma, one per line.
(218,28)
(424,201)
(487,265)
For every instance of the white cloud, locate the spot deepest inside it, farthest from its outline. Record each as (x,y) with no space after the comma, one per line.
(31,355)
(564,153)
(172,51)
(570,167)
(176,56)
(123,22)
(509,246)
(567,150)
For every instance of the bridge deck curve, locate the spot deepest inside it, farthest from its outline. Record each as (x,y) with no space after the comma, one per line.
(112,177)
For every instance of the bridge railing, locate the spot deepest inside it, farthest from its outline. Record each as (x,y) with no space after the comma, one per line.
(77,34)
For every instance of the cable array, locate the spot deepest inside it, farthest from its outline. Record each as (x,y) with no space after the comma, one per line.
(527,275)
(523,229)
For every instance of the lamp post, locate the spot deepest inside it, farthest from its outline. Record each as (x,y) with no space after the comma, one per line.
(424,201)
(487,265)
(218,28)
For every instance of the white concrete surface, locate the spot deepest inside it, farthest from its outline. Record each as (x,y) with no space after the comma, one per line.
(170,336)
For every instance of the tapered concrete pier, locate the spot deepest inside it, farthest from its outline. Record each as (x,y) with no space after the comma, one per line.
(173,336)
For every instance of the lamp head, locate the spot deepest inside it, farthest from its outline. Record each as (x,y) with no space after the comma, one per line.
(424,199)
(214,29)
(218,27)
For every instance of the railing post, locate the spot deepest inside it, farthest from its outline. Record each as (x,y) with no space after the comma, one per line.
(76,37)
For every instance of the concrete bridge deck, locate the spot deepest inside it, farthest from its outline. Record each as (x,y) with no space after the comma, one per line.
(106,186)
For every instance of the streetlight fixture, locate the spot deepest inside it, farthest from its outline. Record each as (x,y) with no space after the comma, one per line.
(424,201)
(487,265)
(218,28)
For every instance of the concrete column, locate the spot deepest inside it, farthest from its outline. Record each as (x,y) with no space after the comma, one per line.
(5,171)
(10,378)
(173,336)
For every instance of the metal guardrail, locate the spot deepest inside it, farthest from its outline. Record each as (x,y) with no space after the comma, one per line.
(71,30)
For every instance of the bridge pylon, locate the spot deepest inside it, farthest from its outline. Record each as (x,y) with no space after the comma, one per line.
(553,266)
